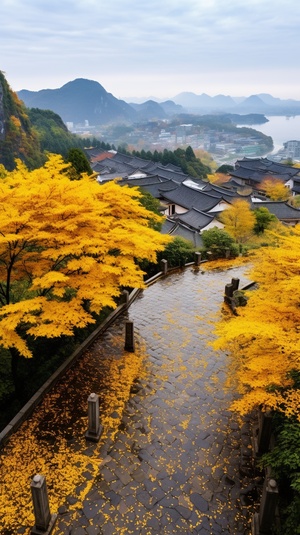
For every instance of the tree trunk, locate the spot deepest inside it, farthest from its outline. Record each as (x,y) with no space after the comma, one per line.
(17,379)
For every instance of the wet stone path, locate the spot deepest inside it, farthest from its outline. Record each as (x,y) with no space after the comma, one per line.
(173,466)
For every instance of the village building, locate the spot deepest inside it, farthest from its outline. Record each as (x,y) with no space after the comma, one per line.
(254,171)
(193,205)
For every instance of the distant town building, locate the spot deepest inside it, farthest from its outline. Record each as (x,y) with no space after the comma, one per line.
(292,149)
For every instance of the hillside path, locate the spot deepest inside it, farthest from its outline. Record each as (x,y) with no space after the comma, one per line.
(173,466)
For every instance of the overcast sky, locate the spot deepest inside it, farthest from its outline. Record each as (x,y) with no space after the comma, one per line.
(139,48)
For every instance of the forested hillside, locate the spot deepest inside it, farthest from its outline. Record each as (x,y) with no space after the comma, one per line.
(18,139)
(29,134)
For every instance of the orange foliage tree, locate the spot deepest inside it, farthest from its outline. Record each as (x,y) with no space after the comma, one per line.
(66,249)
(264,338)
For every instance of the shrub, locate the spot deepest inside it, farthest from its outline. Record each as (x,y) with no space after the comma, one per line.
(219,242)
(284,461)
(178,252)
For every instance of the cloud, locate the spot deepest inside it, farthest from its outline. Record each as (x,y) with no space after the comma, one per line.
(59,41)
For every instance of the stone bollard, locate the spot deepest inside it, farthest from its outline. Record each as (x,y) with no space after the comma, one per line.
(197,258)
(235,284)
(125,297)
(164,266)
(129,336)
(95,430)
(264,432)
(44,521)
(228,293)
(263,521)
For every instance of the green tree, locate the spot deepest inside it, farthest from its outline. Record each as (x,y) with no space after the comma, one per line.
(18,138)
(219,241)
(263,219)
(152,205)
(79,163)
(53,134)
(178,252)
(189,154)
(225,169)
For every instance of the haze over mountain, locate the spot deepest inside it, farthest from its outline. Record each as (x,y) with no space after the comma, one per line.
(84,100)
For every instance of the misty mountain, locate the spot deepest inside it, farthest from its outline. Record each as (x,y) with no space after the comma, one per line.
(252,104)
(171,108)
(79,101)
(262,103)
(191,102)
(85,100)
(151,110)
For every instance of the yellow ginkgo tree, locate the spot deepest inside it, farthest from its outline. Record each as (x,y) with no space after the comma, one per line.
(66,249)
(239,220)
(263,339)
(275,189)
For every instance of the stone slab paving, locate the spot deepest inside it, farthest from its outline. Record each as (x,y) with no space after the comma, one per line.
(174,465)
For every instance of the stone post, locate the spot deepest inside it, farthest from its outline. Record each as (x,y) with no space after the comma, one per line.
(129,336)
(95,430)
(268,506)
(44,521)
(228,293)
(229,290)
(125,297)
(235,284)
(197,258)
(164,266)
(264,432)
(263,521)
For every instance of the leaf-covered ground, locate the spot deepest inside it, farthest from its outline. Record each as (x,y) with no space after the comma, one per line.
(52,441)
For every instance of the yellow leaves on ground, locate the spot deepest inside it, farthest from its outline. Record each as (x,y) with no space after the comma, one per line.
(52,441)
(73,242)
(223,263)
(263,339)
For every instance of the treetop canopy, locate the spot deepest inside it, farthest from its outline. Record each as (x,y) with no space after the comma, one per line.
(66,249)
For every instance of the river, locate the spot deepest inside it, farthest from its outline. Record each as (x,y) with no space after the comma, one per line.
(281,129)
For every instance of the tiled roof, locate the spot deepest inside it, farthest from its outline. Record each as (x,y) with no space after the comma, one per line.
(153,184)
(265,167)
(187,234)
(228,195)
(168,226)
(195,218)
(190,198)
(170,174)
(123,158)
(282,210)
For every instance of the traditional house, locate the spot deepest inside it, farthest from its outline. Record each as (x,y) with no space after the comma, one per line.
(254,171)
(193,205)
(282,210)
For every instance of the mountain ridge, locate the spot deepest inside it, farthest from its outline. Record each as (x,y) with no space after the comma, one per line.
(86,101)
